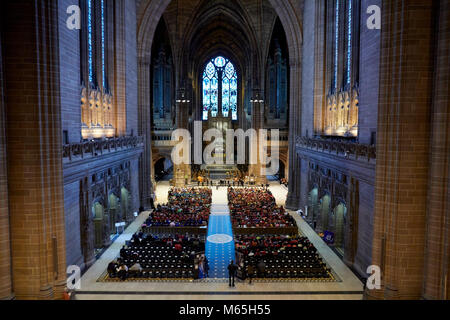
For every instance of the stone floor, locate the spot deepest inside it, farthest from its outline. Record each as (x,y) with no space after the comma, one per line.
(348,288)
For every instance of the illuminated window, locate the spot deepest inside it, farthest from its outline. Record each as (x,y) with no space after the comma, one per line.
(103,43)
(90,42)
(336,46)
(220,76)
(349,40)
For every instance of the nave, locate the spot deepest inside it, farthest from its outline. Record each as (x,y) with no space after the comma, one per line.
(346,286)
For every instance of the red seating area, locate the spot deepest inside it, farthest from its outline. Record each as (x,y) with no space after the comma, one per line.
(187,207)
(257,208)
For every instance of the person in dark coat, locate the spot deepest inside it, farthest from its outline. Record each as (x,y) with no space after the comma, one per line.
(152,203)
(232,269)
(112,267)
(250,273)
(261,268)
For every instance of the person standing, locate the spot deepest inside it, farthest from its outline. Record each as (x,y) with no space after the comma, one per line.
(201,268)
(250,273)
(261,268)
(152,202)
(232,268)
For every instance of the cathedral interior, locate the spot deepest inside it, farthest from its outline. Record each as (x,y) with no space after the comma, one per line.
(93,93)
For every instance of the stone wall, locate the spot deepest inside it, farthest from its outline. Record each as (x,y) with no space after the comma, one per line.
(5,252)
(403,146)
(70,77)
(437,265)
(121,66)
(315,85)
(74,255)
(308,69)
(363,255)
(131,67)
(369,76)
(34,142)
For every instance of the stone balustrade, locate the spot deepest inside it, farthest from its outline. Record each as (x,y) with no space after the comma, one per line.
(340,148)
(97,148)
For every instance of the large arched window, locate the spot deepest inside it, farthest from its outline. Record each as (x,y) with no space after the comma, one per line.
(90,41)
(220,76)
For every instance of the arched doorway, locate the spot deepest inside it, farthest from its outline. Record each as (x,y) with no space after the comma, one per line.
(324,208)
(163,167)
(125,203)
(340,213)
(115,215)
(98,216)
(313,207)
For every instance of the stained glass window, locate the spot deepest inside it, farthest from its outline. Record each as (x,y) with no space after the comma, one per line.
(103,44)
(336,45)
(210,91)
(220,76)
(349,40)
(89,33)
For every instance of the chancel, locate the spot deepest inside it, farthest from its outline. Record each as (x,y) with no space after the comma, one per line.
(91,119)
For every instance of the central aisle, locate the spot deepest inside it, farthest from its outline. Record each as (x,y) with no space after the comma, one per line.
(220,241)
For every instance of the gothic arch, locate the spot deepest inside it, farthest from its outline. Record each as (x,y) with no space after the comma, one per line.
(149,13)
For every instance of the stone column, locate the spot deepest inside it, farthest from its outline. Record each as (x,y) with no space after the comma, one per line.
(5,252)
(320,67)
(293,197)
(437,254)
(182,122)
(406,72)
(351,224)
(257,170)
(87,223)
(145,123)
(34,149)
(120,69)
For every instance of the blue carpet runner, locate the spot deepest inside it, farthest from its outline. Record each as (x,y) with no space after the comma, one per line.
(220,242)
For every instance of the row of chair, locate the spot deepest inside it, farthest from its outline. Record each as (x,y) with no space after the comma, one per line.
(157,274)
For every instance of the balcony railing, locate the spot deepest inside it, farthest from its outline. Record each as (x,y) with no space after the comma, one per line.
(162,139)
(340,148)
(97,148)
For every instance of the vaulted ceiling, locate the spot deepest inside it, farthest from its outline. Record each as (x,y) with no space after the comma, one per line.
(201,29)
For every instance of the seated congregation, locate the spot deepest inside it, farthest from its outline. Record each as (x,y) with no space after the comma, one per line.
(148,256)
(257,208)
(279,256)
(187,207)
(267,242)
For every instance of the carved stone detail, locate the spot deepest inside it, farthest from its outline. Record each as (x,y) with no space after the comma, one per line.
(341,114)
(96,113)
(340,148)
